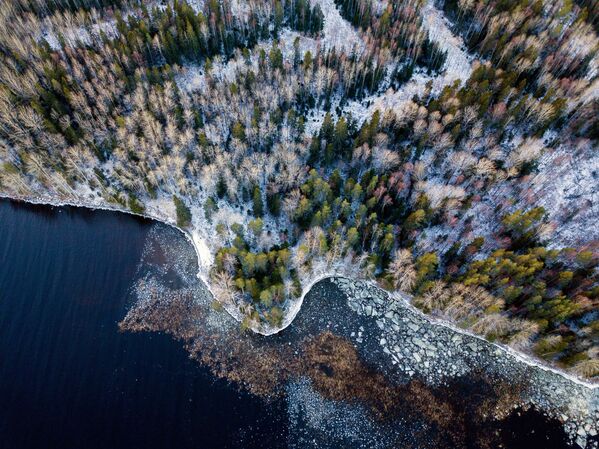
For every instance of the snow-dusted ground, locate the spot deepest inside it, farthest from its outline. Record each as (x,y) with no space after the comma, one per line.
(193,77)
(338,32)
(197,5)
(78,36)
(458,66)
(459,62)
(592,76)
(592,91)
(567,186)
(577,179)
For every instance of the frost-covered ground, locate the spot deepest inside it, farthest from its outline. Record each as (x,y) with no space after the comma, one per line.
(458,66)
(567,186)
(565,183)
(68,28)
(338,32)
(564,180)
(76,36)
(193,76)
(592,76)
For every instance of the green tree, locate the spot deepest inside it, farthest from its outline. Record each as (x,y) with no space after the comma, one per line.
(522,227)
(341,135)
(183,213)
(426,267)
(327,130)
(266,298)
(307,60)
(585,259)
(388,242)
(248,264)
(238,131)
(135,206)
(210,207)
(258,205)
(414,220)
(273,202)
(353,237)
(256,226)
(276,58)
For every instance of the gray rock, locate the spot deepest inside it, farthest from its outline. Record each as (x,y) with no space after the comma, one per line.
(413,327)
(419,342)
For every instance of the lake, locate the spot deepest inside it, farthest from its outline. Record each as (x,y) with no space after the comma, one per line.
(70,379)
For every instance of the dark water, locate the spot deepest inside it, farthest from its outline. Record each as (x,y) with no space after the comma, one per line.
(69,379)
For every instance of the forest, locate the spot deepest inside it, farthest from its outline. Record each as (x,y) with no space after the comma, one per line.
(254,122)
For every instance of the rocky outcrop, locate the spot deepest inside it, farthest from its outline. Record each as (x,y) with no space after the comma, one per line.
(436,352)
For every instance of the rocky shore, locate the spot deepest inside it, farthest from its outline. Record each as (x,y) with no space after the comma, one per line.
(161,211)
(436,353)
(355,354)
(385,330)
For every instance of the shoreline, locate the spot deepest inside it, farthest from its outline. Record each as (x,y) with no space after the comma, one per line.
(297,304)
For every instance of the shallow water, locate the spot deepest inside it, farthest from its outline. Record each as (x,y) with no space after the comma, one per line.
(70,379)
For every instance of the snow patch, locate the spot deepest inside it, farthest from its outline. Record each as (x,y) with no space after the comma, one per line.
(205,256)
(458,66)
(337,32)
(566,185)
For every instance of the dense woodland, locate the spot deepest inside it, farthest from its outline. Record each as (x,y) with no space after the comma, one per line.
(430,199)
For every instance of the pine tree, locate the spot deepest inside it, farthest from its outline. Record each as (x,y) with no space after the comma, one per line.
(258,206)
